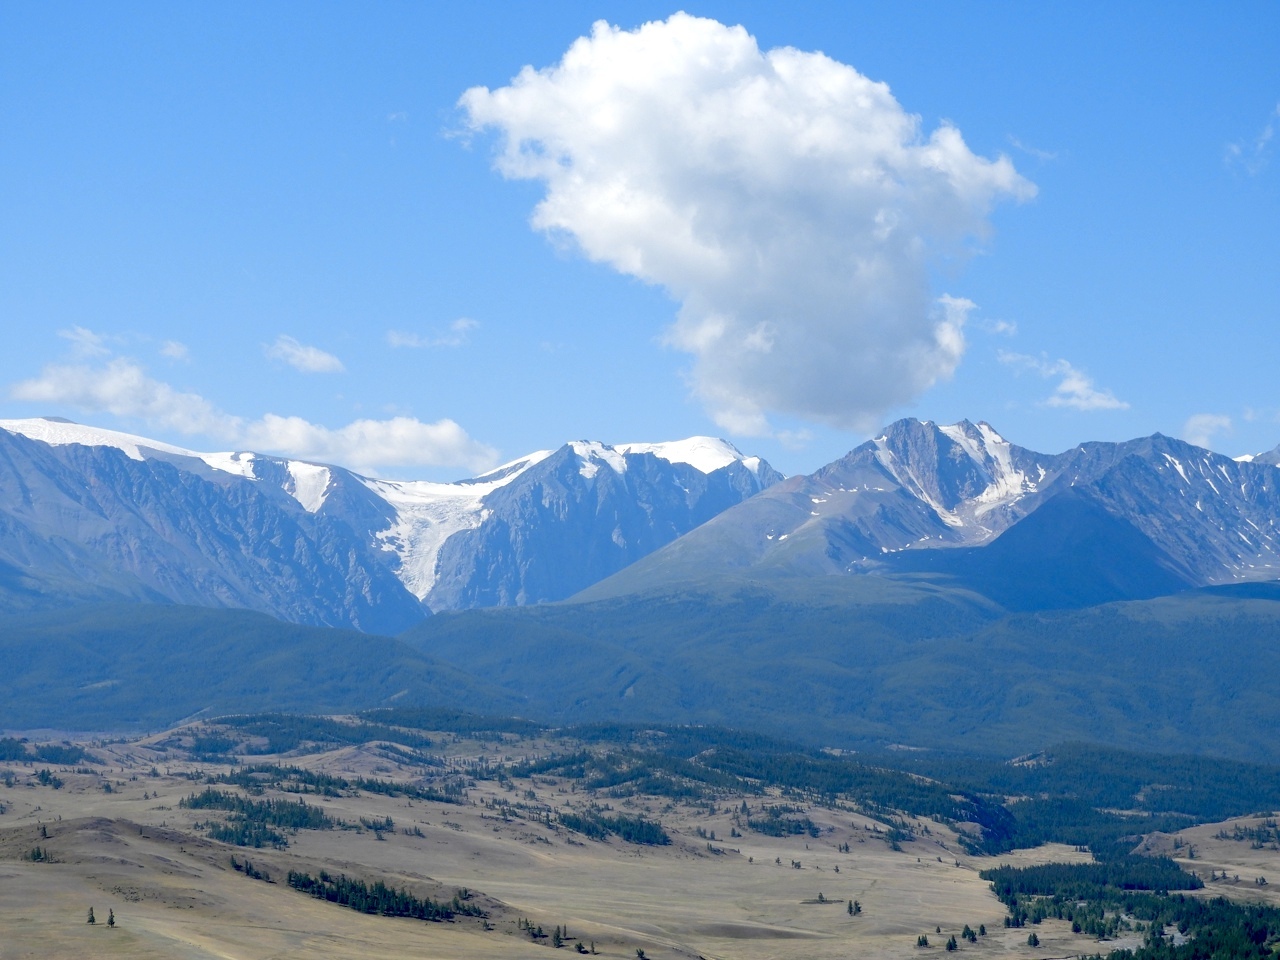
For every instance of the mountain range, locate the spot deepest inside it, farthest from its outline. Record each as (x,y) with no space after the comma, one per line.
(88,514)
(96,515)
(1100,522)
(936,587)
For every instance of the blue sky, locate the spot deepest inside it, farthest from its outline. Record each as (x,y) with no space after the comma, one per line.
(275,226)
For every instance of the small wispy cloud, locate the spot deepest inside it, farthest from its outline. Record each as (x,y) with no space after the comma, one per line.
(1252,156)
(1261,414)
(1075,389)
(457,336)
(1032,151)
(174,350)
(400,116)
(1002,328)
(84,342)
(302,357)
(1201,428)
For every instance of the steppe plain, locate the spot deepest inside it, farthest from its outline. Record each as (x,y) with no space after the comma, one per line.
(134,851)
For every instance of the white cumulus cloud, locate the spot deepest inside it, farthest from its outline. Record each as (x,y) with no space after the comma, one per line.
(175,350)
(1075,388)
(122,388)
(789,203)
(302,357)
(366,445)
(1201,428)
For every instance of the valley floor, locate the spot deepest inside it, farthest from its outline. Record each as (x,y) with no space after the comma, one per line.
(135,852)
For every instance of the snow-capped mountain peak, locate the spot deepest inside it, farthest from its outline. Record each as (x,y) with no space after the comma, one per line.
(429,515)
(963,471)
(705,454)
(57,432)
(593,454)
(540,527)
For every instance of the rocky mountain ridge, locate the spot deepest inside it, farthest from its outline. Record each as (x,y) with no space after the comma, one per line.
(905,500)
(97,514)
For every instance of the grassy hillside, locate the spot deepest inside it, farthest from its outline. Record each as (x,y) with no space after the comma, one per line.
(847,662)
(842,662)
(131,666)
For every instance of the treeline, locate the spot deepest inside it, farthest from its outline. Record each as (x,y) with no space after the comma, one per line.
(1107,835)
(624,773)
(12,748)
(775,824)
(680,740)
(285,732)
(875,787)
(255,779)
(598,826)
(380,898)
(1089,881)
(450,791)
(256,823)
(1206,788)
(1133,894)
(451,721)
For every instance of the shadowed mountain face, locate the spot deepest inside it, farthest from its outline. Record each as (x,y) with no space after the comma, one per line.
(1123,521)
(567,522)
(861,661)
(95,515)
(1069,553)
(131,666)
(94,522)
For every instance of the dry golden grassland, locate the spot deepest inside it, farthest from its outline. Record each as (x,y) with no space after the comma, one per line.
(136,852)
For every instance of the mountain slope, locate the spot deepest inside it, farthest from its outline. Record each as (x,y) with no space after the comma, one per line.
(867,662)
(92,514)
(131,666)
(1071,552)
(154,530)
(579,515)
(905,500)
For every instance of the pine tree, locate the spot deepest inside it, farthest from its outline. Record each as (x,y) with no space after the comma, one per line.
(91,917)
(111,918)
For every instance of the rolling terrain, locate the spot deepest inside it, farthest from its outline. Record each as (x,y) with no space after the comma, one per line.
(860,661)
(841,662)
(515,836)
